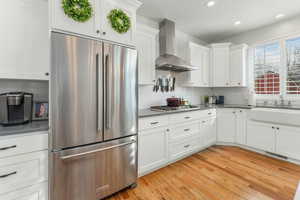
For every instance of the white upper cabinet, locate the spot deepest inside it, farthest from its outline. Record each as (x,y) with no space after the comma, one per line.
(60,21)
(146,43)
(198,57)
(220,64)
(229,65)
(103,25)
(238,62)
(98,25)
(25,40)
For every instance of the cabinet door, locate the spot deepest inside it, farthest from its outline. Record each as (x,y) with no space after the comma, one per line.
(241,126)
(238,55)
(226,125)
(146,46)
(220,63)
(261,136)
(208,131)
(287,141)
(35,192)
(62,22)
(199,57)
(205,68)
(104,26)
(25,40)
(153,149)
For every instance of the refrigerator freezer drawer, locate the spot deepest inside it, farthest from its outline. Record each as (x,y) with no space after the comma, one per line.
(95,171)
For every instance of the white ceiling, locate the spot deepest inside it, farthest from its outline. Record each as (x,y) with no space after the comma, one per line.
(216,23)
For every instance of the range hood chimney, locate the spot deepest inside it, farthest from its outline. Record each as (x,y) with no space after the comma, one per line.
(167,59)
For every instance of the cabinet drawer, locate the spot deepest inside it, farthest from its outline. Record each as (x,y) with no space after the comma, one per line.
(23,144)
(208,113)
(35,192)
(153,122)
(183,131)
(22,171)
(184,117)
(178,150)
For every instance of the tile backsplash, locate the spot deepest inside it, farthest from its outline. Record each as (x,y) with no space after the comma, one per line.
(40,89)
(149,98)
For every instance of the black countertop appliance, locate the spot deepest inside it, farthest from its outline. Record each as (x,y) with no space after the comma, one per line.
(15,108)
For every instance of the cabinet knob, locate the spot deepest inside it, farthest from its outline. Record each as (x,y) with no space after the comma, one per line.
(168,130)
(98,31)
(239,83)
(278,128)
(273,127)
(104,33)
(47,74)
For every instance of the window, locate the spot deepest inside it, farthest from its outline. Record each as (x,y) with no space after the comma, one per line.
(293,66)
(277,68)
(267,69)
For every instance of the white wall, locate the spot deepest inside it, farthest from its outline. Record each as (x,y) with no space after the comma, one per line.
(282,29)
(149,98)
(288,27)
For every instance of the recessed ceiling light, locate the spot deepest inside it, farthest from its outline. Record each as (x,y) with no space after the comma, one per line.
(279,16)
(210,3)
(237,23)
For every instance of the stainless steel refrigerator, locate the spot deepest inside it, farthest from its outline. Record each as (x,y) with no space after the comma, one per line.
(93,118)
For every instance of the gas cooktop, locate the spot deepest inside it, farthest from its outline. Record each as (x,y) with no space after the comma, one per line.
(169,108)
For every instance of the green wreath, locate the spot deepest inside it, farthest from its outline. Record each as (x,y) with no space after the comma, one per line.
(119,20)
(78,10)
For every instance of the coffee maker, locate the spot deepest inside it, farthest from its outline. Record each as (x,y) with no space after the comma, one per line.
(15,108)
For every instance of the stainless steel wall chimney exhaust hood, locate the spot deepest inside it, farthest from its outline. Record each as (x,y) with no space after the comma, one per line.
(167,59)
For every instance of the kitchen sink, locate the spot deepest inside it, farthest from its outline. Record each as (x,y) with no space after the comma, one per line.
(275,115)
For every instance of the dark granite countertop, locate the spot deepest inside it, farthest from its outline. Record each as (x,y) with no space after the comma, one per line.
(34,126)
(149,113)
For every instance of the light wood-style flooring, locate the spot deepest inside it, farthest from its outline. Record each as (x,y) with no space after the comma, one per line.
(219,173)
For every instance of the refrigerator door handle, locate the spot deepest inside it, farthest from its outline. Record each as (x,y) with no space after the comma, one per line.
(99,95)
(97,150)
(107,92)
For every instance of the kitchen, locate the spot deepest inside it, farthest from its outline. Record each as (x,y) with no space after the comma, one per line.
(129,99)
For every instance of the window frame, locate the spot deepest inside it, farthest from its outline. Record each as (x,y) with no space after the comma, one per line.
(282,70)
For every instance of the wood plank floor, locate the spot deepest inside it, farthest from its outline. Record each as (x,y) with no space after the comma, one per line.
(219,173)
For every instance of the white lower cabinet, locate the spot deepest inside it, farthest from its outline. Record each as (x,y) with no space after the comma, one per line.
(35,192)
(241,126)
(261,136)
(208,131)
(153,149)
(182,148)
(278,139)
(24,167)
(287,141)
(167,138)
(226,125)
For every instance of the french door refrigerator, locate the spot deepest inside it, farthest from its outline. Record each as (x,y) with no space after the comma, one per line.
(93,118)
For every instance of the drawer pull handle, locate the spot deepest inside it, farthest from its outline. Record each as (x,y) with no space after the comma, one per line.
(187,117)
(187,129)
(153,123)
(210,113)
(9,174)
(6,148)
(187,146)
